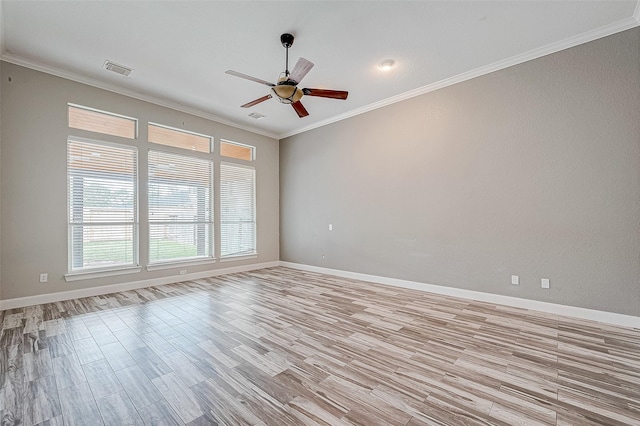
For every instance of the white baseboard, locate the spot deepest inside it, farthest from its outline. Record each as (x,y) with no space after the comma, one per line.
(552,308)
(20,302)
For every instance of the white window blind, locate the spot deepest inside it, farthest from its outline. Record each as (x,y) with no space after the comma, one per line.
(180,207)
(237,210)
(102,201)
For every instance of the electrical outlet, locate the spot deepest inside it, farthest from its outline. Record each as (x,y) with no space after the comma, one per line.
(44,277)
(183,272)
(545,282)
(515,280)
(330,227)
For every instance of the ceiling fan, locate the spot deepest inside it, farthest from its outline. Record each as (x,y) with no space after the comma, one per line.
(287,90)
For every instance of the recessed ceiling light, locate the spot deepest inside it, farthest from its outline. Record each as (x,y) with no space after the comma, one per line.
(256,115)
(386,65)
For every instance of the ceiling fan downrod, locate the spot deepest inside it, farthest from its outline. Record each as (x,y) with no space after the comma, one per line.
(287,41)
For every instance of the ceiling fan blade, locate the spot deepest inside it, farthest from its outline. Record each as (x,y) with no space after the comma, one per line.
(300,109)
(256,102)
(301,69)
(248,77)
(325,93)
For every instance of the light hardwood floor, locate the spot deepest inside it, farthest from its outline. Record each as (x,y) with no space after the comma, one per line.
(285,347)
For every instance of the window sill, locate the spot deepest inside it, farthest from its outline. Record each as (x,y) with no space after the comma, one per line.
(178,264)
(239,257)
(88,275)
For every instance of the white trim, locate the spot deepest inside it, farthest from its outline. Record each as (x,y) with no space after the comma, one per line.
(234,164)
(2,34)
(120,145)
(89,81)
(101,111)
(567,43)
(89,274)
(572,311)
(20,302)
(178,264)
(585,37)
(552,308)
(232,258)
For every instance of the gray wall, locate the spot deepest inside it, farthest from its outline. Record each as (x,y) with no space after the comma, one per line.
(533,170)
(1,80)
(33,178)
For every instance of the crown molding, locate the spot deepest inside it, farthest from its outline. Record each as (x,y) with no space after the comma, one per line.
(2,47)
(58,72)
(567,43)
(585,37)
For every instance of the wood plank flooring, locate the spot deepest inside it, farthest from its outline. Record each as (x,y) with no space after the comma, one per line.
(285,347)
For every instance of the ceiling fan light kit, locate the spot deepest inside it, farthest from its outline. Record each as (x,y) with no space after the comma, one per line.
(287,90)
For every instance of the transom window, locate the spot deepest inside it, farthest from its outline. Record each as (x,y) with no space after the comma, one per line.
(237,150)
(94,120)
(178,138)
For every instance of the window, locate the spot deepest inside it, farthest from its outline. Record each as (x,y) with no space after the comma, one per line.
(237,150)
(102,197)
(237,210)
(179,138)
(180,207)
(94,120)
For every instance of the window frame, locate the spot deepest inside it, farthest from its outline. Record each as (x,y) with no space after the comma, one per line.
(213,234)
(193,260)
(96,272)
(254,252)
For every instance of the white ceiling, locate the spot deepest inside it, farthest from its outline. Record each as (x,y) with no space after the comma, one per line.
(180,50)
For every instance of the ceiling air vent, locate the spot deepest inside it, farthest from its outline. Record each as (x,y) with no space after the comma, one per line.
(120,69)
(256,115)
